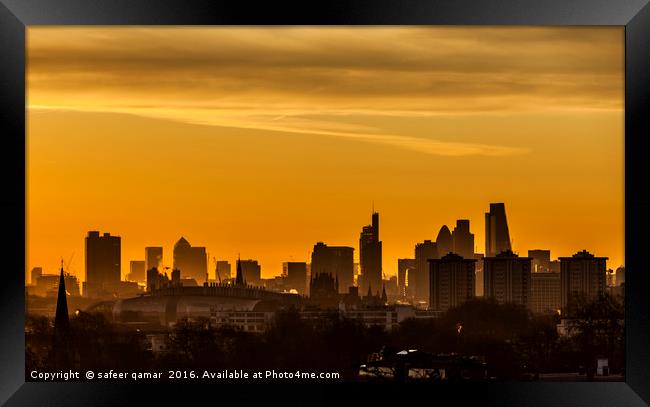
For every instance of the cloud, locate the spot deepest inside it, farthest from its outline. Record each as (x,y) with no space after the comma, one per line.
(273,78)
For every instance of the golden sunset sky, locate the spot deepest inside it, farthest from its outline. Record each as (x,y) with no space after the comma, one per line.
(265,140)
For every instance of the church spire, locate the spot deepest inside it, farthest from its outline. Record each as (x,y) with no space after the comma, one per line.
(369,291)
(384,297)
(61,319)
(239,279)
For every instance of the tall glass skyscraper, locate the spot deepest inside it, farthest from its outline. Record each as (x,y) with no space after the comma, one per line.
(497,236)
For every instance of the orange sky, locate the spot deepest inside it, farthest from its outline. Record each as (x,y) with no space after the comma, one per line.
(263,141)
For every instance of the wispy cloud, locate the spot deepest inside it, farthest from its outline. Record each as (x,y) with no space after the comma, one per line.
(296,125)
(277,79)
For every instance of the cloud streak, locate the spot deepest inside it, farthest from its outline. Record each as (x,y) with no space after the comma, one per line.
(273,78)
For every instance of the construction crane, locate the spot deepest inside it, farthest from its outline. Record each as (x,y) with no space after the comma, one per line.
(67,264)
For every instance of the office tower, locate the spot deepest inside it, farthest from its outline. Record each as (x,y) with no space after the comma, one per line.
(444,241)
(156,280)
(223,270)
(541,262)
(554,266)
(176,278)
(545,293)
(497,237)
(296,277)
(620,276)
(423,252)
(35,274)
(136,271)
(337,260)
(191,261)
(403,267)
(411,277)
(390,287)
(462,239)
(153,257)
(370,256)
(251,272)
(103,260)
(506,278)
(451,281)
(479,274)
(324,290)
(583,277)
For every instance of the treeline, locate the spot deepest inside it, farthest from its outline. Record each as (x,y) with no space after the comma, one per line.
(514,343)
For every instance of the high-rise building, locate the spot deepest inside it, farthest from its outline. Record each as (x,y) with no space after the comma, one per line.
(251,272)
(403,267)
(191,261)
(497,236)
(506,278)
(620,276)
(136,271)
(370,256)
(554,266)
(337,260)
(423,252)
(296,277)
(223,270)
(462,239)
(451,281)
(103,262)
(545,293)
(583,277)
(479,274)
(324,290)
(156,279)
(153,257)
(35,274)
(444,241)
(541,260)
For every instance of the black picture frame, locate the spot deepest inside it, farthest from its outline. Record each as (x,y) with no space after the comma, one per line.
(15,15)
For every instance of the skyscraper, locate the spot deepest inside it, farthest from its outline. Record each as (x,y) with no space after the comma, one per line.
(444,241)
(191,261)
(462,239)
(251,272)
(403,267)
(103,262)
(506,278)
(545,292)
(297,277)
(153,257)
(541,260)
(223,270)
(37,272)
(337,260)
(136,271)
(370,256)
(451,281)
(423,252)
(497,236)
(583,276)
